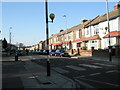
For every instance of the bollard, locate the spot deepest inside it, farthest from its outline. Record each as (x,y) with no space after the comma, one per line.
(16,57)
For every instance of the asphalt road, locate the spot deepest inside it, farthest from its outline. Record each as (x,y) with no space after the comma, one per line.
(85,72)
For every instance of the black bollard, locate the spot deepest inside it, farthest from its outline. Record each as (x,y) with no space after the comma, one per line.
(16,57)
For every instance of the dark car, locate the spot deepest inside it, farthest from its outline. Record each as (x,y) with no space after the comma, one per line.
(61,53)
(52,52)
(40,52)
(19,52)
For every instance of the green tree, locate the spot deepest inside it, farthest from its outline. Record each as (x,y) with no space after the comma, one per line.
(4,44)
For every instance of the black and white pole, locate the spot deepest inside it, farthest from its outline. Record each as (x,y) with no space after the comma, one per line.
(109,47)
(52,16)
(47,36)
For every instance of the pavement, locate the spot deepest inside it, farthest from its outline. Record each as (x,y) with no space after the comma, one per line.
(29,75)
(115,60)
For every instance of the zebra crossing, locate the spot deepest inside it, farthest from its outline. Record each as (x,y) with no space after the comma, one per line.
(80,67)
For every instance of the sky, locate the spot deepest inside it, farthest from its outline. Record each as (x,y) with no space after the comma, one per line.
(27,19)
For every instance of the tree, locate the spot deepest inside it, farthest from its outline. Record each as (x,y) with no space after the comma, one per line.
(4,44)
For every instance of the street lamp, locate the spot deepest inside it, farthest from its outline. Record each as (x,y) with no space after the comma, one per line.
(66,30)
(110,47)
(10,38)
(10,35)
(52,16)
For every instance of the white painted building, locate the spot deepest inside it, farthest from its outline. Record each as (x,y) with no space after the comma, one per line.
(99,26)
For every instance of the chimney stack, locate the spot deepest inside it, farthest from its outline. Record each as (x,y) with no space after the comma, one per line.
(117,6)
(84,20)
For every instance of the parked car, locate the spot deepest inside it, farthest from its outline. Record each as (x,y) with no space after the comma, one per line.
(34,51)
(40,52)
(52,52)
(19,52)
(61,53)
(44,52)
(30,51)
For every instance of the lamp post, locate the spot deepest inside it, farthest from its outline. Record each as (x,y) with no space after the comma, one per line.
(52,16)
(66,30)
(10,38)
(10,35)
(109,47)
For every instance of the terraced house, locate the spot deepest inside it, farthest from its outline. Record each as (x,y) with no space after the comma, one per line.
(90,33)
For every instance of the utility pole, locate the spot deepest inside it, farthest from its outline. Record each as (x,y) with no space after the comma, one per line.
(109,47)
(10,38)
(10,35)
(66,30)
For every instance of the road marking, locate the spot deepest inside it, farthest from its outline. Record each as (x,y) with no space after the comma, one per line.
(100,82)
(103,64)
(111,71)
(75,68)
(94,74)
(60,70)
(86,86)
(24,59)
(91,66)
(33,58)
(79,76)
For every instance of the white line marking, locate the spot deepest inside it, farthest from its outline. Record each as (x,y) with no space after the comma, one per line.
(60,70)
(91,66)
(101,82)
(79,76)
(111,71)
(103,64)
(87,86)
(75,67)
(82,76)
(94,74)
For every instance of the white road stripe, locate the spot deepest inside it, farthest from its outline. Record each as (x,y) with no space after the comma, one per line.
(103,64)
(75,68)
(94,74)
(111,71)
(79,76)
(100,82)
(60,70)
(86,85)
(91,66)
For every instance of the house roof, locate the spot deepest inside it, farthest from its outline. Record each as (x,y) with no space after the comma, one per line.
(101,18)
(113,34)
(96,20)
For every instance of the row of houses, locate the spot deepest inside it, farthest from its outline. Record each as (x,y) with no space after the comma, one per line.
(90,33)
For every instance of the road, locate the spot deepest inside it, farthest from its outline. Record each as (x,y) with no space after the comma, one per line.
(85,72)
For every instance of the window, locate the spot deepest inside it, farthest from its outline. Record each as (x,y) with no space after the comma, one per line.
(79,44)
(96,29)
(92,41)
(87,31)
(77,34)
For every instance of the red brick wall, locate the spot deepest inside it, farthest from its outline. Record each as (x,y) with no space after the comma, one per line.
(81,52)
